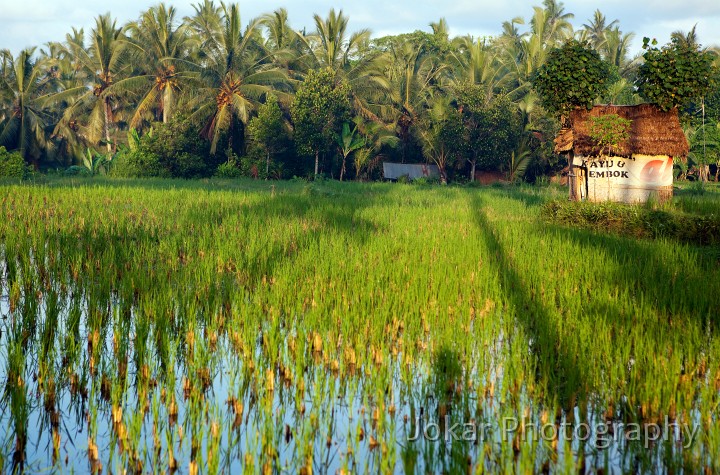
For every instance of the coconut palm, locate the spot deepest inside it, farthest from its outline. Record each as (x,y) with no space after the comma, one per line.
(523,55)
(414,71)
(596,29)
(282,42)
(688,40)
(440,133)
(24,88)
(350,56)
(231,77)
(475,63)
(156,42)
(376,138)
(556,23)
(101,64)
(206,27)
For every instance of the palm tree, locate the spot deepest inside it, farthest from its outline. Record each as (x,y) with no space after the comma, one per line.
(231,77)
(414,71)
(101,64)
(556,22)
(476,63)
(24,88)
(206,26)
(440,133)
(332,47)
(350,57)
(688,40)
(376,136)
(282,42)
(597,28)
(156,43)
(616,51)
(522,55)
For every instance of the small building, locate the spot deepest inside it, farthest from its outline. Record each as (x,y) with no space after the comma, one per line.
(393,171)
(635,170)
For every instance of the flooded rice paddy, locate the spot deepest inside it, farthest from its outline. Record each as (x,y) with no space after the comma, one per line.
(197,328)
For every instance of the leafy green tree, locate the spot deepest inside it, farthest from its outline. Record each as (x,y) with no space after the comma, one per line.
(491,131)
(175,149)
(573,76)
(268,130)
(321,106)
(676,74)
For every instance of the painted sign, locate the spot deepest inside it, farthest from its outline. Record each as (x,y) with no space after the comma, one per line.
(625,179)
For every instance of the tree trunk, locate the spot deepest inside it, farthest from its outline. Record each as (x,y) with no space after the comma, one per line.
(166,104)
(472,171)
(106,126)
(267,164)
(704,172)
(443,176)
(317,161)
(165,112)
(342,169)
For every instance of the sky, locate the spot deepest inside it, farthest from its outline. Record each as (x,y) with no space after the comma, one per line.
(35,22)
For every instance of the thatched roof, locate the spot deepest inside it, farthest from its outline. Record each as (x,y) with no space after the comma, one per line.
(652,132)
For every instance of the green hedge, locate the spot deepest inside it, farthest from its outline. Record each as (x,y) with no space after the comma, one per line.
(636,220)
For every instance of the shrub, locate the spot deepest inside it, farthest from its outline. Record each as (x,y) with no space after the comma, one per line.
(172,150)
(12,165)
(228,169)
(77,170)
(137,163)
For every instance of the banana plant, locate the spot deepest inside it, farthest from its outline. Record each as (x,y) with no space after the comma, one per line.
(348,141)
(95,164)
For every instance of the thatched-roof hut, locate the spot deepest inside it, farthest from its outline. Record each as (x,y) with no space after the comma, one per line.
(635,169)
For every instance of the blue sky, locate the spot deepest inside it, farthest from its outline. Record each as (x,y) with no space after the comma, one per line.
(34,22)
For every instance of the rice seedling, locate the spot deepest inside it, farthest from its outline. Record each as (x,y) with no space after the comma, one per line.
(347,328)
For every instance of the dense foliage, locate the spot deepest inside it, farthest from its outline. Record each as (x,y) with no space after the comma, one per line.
(260,94)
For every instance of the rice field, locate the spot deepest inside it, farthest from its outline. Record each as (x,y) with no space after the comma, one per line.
(217,327)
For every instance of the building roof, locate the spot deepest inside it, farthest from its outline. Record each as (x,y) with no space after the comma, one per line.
(652,132)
